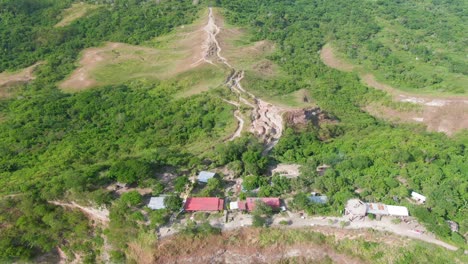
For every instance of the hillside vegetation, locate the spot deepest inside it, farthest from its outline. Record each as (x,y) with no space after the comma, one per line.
(61,146)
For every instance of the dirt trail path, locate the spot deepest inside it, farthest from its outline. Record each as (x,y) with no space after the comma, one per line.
(267,120)
(333,224)
(447,114)
(239,118)
(98,214)
(402,229)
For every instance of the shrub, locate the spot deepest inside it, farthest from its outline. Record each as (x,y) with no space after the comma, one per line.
(132,198)
(173,203)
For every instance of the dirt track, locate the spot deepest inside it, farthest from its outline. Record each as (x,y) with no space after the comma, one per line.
(447,114)
(97,214)
(267,121)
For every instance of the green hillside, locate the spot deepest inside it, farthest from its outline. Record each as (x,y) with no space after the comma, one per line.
(137,125)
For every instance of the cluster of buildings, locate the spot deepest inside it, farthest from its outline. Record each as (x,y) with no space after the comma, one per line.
(355,208)
(207,204)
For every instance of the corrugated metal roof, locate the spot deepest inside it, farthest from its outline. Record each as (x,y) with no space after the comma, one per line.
(156,203)
(204,204)
(383,209)
(319,199)
(377,208)
(204,176)
(250,202)
(397,210)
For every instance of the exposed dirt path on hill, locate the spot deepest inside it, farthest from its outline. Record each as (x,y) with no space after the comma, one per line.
(98,214)
(239,118)
(267,120)
(8,79)
(447,114)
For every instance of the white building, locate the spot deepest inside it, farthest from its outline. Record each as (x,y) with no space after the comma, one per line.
(418,197)
(157,203)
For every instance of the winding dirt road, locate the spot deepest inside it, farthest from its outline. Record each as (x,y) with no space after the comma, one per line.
(267,120)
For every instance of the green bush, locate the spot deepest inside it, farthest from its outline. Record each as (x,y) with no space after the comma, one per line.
(132,198)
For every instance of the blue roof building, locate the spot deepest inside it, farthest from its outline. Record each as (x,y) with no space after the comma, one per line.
(204,176)
(318,199)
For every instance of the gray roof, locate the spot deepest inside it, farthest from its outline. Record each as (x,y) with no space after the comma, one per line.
(319,199)
(204,176)
(156,203)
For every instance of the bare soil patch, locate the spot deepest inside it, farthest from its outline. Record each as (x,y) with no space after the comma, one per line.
(10,79)
(286,170)
(446,114)
(329,58)
(114,63)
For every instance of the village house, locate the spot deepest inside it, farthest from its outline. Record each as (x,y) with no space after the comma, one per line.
(418,197)
(157,203)
(249,203)
(195,204)
(356,208)
(204,176)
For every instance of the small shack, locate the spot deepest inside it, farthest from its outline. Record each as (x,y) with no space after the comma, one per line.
(249,203)
(318,199)
(204,176)
(395,210)
(382,209)
(234,205)
(194,204)
(418,197)
(157,203)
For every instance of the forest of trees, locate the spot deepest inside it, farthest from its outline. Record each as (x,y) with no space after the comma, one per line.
(55,145)
(365,153)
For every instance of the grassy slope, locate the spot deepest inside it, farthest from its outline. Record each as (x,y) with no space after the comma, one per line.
(76,11)
(400,40)
(375,247)
(253,57)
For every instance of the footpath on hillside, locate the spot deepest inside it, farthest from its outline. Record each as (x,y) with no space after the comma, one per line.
(266,119)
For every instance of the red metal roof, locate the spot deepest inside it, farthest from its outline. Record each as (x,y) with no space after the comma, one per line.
(204,204)
(249,205)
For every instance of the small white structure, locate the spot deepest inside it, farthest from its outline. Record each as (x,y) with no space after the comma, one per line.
(204,176)
(319,199)
(383,209)
(418,197)
(234,205)
(394,210)
(157,203)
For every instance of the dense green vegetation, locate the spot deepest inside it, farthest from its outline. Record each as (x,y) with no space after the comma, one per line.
(27,34)
(414,45)
(58,146)
(364,153)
